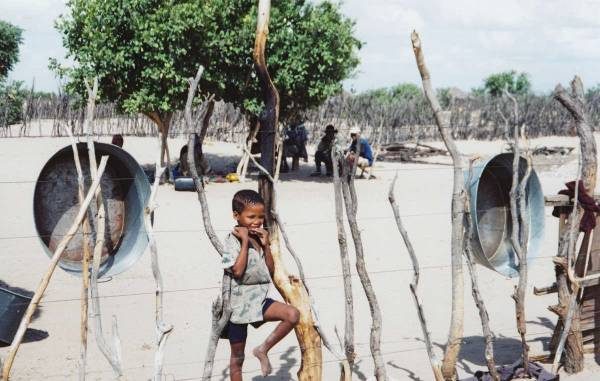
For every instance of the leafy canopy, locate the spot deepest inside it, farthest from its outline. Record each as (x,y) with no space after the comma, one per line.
(311,49)
(10,38)
(143,51)
(515,83)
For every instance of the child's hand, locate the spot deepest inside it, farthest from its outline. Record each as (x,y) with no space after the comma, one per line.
(241,232)
(263,236)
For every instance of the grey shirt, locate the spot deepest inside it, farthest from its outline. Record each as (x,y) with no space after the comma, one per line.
(250,291)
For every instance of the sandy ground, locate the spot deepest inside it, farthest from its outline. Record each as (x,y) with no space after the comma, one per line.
(191,272)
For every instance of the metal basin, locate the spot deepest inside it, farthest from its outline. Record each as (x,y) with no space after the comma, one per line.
(490,212)
(125,190)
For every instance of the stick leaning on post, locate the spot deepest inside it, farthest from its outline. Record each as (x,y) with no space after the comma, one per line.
(37,296)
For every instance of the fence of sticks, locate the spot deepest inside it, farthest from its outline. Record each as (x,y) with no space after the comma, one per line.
(473,116)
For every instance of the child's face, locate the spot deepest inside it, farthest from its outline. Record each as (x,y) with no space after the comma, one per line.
(251,217)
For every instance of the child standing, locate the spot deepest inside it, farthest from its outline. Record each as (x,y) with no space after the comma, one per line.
(248,259)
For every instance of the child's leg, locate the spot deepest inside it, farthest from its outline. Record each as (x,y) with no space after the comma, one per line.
(236,361)
(289,317)
(237,341)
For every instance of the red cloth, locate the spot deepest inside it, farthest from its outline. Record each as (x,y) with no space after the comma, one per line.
(587,203)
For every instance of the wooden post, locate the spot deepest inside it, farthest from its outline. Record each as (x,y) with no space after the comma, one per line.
(290,287)
(345,260)
(574,103)
(458,209)
(351,204)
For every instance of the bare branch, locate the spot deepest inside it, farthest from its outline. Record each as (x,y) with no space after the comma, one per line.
(163,330)
(435,362)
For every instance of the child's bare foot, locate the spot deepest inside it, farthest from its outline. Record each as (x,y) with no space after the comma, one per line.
(265,364)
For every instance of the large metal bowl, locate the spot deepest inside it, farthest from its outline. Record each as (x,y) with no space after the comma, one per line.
(125,190)
(489,191)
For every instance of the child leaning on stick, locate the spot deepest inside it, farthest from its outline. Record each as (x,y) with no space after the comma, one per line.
(248,259)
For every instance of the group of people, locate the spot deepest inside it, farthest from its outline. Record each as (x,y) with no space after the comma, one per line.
(294,147)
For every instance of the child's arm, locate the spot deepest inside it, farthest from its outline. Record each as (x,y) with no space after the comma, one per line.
(263,235)
(239,267)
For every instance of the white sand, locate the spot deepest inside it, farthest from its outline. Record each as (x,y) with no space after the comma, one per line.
(191,273)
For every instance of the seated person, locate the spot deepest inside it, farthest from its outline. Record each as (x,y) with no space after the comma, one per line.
(202,165)
(323,154)
(365,157)
(117,140)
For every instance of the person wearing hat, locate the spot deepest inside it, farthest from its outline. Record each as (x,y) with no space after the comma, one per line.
(323,154)
(365,157)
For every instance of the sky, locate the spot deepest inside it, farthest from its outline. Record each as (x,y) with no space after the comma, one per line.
(464,40)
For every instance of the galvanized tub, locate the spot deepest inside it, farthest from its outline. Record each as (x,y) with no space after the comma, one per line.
(490,212)
(125,190)
(12,309)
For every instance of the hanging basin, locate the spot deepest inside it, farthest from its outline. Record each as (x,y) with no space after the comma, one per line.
(489,191)
(125,191)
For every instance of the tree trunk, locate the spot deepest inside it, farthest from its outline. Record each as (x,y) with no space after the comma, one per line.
(292,290)
(210,108)
(163,123)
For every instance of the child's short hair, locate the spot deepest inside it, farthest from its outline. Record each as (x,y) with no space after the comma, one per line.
(244,198)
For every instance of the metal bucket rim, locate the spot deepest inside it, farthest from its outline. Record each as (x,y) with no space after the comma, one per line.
(533,181)
(107,268)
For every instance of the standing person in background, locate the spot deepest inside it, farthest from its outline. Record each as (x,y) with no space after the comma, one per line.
(323,153)
(365,156)
(294,145)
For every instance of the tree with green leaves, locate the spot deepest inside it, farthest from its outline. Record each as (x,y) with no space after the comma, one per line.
(311,49)
(11,37)
(11,94)
(513,82)
(141,51)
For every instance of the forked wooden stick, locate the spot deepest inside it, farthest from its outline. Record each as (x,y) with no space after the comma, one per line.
(37,296)
(345,261)
(163,330)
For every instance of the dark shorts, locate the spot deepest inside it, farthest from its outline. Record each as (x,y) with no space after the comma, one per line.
(237,333)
